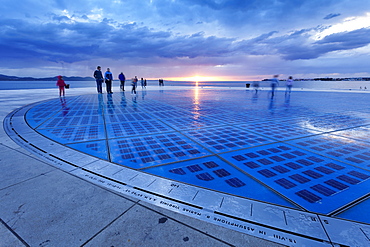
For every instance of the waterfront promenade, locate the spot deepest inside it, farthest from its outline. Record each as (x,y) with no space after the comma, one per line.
(62,204)
(43,206)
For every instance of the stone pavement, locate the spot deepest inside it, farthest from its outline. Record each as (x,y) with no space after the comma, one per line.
(41,205)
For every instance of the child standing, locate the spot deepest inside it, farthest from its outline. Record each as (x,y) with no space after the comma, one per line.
(61,84)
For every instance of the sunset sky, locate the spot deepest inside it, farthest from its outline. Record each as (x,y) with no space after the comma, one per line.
(186,39)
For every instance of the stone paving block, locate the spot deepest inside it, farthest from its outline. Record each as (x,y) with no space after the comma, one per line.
(5,140)
(59,209)
(16,167)
(8,239)
(142,227)
(233,238)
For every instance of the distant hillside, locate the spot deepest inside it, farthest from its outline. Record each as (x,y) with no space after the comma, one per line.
(66,78)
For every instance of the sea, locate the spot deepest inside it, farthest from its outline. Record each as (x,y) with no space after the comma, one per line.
(315,85)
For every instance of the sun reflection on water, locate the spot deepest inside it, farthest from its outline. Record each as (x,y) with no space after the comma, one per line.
(196,102)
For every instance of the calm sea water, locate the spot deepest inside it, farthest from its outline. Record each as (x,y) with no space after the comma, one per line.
(333,85)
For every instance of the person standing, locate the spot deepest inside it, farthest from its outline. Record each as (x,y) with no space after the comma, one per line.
(61,84)
(134,85)
(108,80)
(161,82)
(256,85)
(274,83)
(122,80)
(98,75)
(142,82)
(289,85)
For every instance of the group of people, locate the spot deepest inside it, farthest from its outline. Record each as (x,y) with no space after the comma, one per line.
(274,83)
(108,78)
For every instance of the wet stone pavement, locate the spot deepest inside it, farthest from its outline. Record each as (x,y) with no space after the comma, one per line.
(305,151)
(306,148)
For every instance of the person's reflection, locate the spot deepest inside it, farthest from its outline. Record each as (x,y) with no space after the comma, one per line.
(254,97)
(287,100)
(256,86)
(123,100)
(143,94)
(100,104)
(65,108)
(134,102)
(110,104)
(272,105)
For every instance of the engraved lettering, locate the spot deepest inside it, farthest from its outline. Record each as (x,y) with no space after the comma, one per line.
(191,211)
(313,218)
(284,238)
(234,224)
(169,205)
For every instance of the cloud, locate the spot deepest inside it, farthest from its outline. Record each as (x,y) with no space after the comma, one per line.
(174,33)
(76,41)
(330,16)
(332,43)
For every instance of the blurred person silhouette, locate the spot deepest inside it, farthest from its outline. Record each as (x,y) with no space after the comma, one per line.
(256,85)
(161,82)
(289,85)
(274,83)
(134,85)
(142,82)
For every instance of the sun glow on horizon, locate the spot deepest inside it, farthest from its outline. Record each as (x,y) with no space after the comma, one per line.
(198,78)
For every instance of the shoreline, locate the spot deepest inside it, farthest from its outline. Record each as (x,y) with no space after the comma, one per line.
(171,87)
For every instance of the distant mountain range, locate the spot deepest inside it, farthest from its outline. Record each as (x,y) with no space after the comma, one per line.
(66,78)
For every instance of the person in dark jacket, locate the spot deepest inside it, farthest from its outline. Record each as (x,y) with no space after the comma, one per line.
(98,75)
(108,80)
(122,79)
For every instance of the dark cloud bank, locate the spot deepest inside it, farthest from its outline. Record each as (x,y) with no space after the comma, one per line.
(60,39)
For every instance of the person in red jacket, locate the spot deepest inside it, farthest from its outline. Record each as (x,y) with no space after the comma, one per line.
(61,84)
